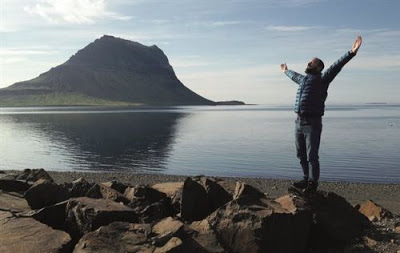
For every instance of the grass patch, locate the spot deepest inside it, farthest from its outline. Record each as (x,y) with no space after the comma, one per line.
(59,99)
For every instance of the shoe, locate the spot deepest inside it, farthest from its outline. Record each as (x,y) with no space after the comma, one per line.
(302,184)
(311,187)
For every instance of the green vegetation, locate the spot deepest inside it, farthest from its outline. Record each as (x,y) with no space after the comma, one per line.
(59,99)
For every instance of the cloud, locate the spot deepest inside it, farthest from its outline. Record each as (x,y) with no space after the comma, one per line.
(6,29)
(73,11)
(24,52)
(377,62)
(282,28)
(216,23)
(226,23)
(193,61)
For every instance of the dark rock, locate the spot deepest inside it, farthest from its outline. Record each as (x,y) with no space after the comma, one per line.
(34,175)
(86,214)
(80,187)
(144,192)
(155,211)
(248,224)
(293,204)
(204,238)
(13,202)
(173,190)
(118,186)
(216,194)
(336,222)
(150,204)
(117,237)
(243,189)
(29,235)
(167,229)
(229,186)
(53,216)
(174,245)
(45,193)
(101,191)
(168,235)
(195,204)
(373,211)
(12,185)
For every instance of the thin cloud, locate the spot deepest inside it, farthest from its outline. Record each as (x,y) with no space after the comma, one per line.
(73,11)
(289,28)
(226,23)
(23,52)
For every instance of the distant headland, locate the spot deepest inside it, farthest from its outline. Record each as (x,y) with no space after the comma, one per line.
(109,71)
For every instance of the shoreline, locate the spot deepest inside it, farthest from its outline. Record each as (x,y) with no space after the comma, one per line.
(386,195)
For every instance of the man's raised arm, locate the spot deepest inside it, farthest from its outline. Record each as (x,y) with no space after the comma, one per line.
(296,77)
(333,70)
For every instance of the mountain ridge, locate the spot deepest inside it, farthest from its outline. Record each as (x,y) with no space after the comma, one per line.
(109,70)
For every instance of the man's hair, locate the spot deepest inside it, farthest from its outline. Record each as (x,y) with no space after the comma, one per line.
(321,64)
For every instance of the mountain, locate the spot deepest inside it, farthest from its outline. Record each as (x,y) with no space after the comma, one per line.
(109,71)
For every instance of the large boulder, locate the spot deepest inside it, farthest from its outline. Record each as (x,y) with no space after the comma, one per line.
(101,191)
(254,223)
(174,245)
(53,216)
(144,193)
(155,211)
(203,237)
(13,202)
(335,221)
(166,229)
(373,211)
(195,205)
(10,184)
(80,187)
(118,186)
(45,193)
(34,175)
(167,235)
(216,194)
(29,235)
(293,203)
(173,190)
(150,204)
(117,237)
(86,214)
(243,189)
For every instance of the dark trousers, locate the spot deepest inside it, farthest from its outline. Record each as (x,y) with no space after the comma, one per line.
(308,136)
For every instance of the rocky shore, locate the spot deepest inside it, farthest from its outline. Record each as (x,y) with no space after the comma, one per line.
(118,212)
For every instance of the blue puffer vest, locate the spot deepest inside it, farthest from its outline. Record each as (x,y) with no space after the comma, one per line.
(311,96)
(313,88)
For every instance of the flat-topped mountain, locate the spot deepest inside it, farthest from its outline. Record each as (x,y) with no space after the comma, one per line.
(108,71)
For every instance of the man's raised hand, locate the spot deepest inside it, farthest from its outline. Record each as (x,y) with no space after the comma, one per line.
(283,67)
(356,45)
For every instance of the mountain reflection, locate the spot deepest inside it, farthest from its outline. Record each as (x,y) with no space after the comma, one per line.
(138,141)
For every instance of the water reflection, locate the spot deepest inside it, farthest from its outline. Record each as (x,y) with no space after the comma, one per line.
(107,141)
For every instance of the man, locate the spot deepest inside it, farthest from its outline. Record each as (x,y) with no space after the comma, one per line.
(310,106)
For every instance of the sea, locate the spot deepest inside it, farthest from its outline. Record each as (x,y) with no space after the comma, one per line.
(360,143)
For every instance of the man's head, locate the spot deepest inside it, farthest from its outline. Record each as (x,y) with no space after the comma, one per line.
(315,66)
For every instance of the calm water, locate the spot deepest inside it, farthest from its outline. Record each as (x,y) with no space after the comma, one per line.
(359,143)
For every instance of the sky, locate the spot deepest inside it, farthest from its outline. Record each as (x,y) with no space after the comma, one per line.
(222,50)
